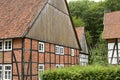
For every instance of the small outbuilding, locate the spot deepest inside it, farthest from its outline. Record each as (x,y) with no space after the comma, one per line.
(112,34)
(84,54)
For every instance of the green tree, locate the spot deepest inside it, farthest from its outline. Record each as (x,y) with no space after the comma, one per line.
(93,19)
(112,5)
(91,13)
(79,7)
(98,54)
(78,21)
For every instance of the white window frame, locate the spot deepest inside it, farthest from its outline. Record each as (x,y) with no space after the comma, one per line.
(61,52)
(59,66)
(42,48)
(72,52)
(7,73)
(2,45)
(40,70)
(7,44)
(83,59)
(57,49)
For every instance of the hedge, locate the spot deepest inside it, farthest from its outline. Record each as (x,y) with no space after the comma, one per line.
(83,73)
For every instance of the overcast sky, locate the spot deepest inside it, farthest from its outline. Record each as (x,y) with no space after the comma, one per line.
(93,0)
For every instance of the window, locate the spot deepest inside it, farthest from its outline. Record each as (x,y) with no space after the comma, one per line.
(1,45)
(40,69)
(41,47)
(62,50)
(59,65)
(83,59)
(5,72)
(59,50)
(8,45)
(72,52)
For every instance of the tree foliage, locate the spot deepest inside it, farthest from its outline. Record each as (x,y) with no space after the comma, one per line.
(98,54)
(78,21)
(112,5)
(91,14)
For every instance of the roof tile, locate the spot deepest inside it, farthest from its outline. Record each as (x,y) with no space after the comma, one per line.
(80,32)
(16,15)
(111,25)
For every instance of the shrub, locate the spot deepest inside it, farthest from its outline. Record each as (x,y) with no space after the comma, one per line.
(84,73)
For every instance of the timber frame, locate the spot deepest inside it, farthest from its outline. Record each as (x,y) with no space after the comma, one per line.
(27,73)
(115,47)
(24,56)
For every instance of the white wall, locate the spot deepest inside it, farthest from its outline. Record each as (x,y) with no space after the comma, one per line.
(110,51)
(83,59)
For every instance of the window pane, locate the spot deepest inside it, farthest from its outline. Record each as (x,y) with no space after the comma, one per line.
(5,74)
(41,47)
(9,75)
(0,45)
(62,50)
(6,45)
(9,45)
(7,67)
(57,49)
(40,67)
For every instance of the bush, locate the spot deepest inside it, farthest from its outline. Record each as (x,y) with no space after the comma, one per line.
(84,73)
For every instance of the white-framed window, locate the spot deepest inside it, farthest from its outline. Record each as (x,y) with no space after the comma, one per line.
(1,45)
(40,70)
(83,59)
(72,52)
(59,65)
(59,50)
(41,47)
(7,45)
(6,72)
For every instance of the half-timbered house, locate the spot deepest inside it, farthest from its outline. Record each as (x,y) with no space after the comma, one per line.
(35,35)
(84,46)
(112,34)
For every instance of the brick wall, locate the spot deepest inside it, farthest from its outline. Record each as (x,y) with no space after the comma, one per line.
(32,58)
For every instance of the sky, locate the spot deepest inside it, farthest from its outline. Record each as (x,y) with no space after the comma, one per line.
(93,0)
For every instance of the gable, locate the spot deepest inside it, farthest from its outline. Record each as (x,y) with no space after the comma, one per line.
(53,25)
